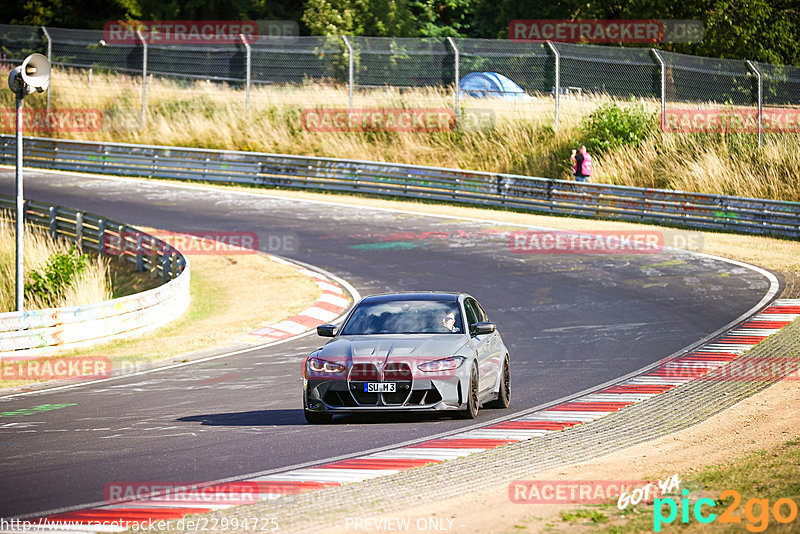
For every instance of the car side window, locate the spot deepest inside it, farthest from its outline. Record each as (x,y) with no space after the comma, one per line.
(469,308)
(479,312)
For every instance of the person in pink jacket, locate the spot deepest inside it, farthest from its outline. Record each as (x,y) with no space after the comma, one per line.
(583,164)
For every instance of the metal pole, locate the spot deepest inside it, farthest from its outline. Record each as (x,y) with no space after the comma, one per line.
(50,59)
(662,65)
(458,81)
(760,102)
(247,83)
(558,78)
(144,77)
(20,222)
(350,73)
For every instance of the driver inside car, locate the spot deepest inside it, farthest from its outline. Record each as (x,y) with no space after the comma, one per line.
(449,322)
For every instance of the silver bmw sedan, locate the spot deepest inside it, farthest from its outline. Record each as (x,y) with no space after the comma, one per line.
(408,352)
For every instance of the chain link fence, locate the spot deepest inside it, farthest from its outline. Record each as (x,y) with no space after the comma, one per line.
(558,76)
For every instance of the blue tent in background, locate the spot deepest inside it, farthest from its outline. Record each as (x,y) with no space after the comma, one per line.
(491,84)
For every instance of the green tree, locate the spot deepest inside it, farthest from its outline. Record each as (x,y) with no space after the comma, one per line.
(388,18)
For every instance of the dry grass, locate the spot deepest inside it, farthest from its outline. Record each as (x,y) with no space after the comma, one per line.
(213,116)
(521,141)
(726,165)
(92,285)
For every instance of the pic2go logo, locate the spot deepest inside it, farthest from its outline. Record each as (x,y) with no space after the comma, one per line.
(756,511)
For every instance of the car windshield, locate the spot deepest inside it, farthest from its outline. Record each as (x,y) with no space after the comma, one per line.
(404,317)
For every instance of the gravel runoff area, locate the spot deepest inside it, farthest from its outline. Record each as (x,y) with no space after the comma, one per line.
(669,412)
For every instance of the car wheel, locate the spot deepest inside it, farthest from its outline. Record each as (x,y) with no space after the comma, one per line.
(471,411)
(317,418)
(504,394)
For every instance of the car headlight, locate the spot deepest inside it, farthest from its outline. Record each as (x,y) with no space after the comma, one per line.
(445,364)
(322,366)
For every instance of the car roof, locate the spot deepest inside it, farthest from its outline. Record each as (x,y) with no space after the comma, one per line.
(418,295)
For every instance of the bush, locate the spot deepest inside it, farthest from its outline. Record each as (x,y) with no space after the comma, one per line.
(60,271)
(610,126)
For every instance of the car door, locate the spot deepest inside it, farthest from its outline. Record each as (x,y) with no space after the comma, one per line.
(482,345)
(495,343)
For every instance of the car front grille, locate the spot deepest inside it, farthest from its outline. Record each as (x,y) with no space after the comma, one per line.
(398,373)
(360,374)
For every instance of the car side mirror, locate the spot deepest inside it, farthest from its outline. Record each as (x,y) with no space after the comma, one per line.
(326,330)
(479,329)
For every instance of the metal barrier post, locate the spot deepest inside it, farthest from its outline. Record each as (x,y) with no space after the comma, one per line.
(760,101)
(349,72)
(662,65)
(144,77)
(247,83)
(50,59)
(166,261)
(79,230)
(53,222)
(558,77)
(458,81)
(101,235)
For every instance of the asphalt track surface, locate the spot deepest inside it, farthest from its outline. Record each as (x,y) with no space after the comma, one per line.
(570,322)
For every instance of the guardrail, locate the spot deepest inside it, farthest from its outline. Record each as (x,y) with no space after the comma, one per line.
(543,195)
(38,332)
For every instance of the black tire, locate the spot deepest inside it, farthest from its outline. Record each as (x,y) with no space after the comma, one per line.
(471,411)
(504,395)
(317,418)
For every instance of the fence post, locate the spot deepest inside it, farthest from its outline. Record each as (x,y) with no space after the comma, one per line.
(760,101)
(50,59)
(144,77)
(349,72)
(247,83)
(53,222)
(166,262)
(656,54)
(79,230)
(458,80)
(558,78)
(101,237)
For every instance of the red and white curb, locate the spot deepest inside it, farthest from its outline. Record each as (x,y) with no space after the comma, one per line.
(331,305)
(588,407)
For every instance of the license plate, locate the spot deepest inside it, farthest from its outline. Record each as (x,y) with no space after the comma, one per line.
(380,387)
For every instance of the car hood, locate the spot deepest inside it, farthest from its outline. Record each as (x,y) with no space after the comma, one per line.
(387,348)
